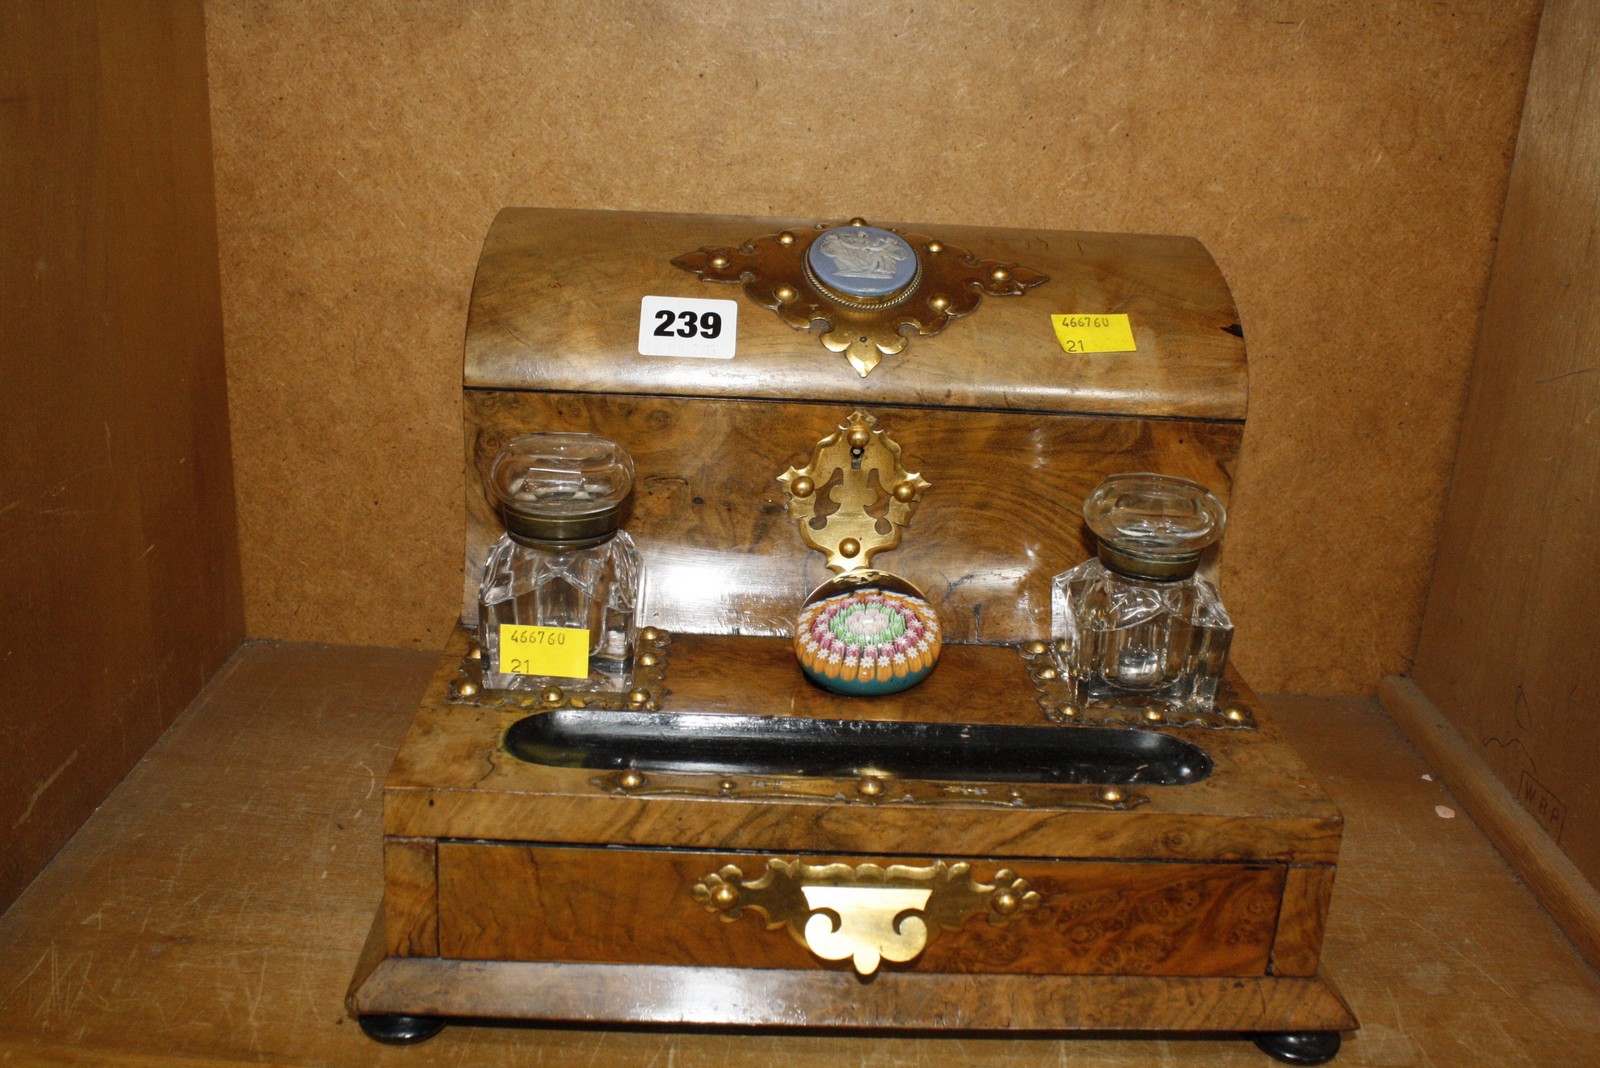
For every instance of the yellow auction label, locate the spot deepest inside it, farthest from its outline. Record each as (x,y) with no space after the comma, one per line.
(562,652)
(1093,333)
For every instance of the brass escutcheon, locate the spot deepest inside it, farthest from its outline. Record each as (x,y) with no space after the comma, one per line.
(854,497)
(866,914)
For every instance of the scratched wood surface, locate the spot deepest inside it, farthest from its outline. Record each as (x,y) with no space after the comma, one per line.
(212,911)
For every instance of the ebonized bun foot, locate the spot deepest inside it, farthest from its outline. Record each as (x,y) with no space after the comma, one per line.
(1300,1047)
(400,1030)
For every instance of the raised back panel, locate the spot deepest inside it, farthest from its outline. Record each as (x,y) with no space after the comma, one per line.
(1011,431)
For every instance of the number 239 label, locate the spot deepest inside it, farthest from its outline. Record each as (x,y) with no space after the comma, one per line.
(688,326)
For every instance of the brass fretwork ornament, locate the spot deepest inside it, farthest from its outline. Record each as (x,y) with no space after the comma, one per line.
(869,288)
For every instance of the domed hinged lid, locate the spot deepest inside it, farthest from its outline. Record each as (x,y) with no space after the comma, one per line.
(562,490)
(1153,526)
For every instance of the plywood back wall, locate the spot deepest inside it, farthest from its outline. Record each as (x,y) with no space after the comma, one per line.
(1345,163)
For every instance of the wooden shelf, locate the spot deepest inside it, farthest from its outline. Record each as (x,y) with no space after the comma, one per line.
(212,910)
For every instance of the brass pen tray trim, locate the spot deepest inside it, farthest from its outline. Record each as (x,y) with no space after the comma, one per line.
(869,790)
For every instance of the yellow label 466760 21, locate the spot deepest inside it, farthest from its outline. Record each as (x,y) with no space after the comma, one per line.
(562,652)
(1093,333)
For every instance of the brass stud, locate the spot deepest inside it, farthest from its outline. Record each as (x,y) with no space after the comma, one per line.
(719,261)
(1069,711)
(474,651)
(905,491)
(999,274)
(859,436)
(652,706)
(466,688)
(727,784)
(650,634)
(784,294)
(848,548)
(786,238)
(553,695)
(638,696)
(1035,648)
(632,780)
(858,221)
(1111,794)
(939,303)
(1005,902)
(869,786)
(1235,714)
(648,660)
(577,702)
(1153,715)
(936,248)
(1048,673)
(725,896)
(802,487)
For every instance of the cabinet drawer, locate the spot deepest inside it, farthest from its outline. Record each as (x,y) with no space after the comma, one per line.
(608,905)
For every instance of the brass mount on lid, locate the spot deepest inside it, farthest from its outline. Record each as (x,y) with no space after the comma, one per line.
(869,288)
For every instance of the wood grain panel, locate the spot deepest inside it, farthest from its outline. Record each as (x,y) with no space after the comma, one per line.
(411,897)
(120,563)
(540,903)
(710,517)
(1508,641)
(525,332)
(1307,893)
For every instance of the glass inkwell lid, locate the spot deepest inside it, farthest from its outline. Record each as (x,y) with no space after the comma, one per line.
(564,490)
(1153,526)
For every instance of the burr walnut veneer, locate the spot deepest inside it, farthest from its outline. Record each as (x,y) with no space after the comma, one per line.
(531,890)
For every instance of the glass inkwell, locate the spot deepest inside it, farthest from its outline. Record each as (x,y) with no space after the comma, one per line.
(864,632)
(561,588)
(1138,626)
